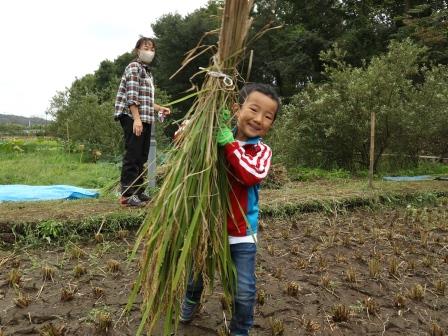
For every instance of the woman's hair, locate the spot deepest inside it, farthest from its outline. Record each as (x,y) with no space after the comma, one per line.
(140,41)
(265,89)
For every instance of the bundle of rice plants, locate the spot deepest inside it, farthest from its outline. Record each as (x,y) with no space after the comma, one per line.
(185,229)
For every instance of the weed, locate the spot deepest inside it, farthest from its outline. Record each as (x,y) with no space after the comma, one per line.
(417,292)
(261,296)
(278,273)
(311,326)
(102,319)
(398,249)
(325,281)
(411,265)
(51,330)
(76,252)
(358,256)
(322,263)
(399,300)
(393,266)
(302,263)
(308,231)
(113,266)
(97,292)
(340,258)
(285,234)
(293,289)
(14,277)
(440,286)
(48,272)
(68,293)
(15,263)
(351,275)
(436,330)
(22,300)
(295,249)
(370,305)
(79,270)
(424,237)
(428,261)
(271,249)
(49,230)
(99,237)
(346,240)
(277,327)
(122,234)
(390,234)
(374,268)
(340,313)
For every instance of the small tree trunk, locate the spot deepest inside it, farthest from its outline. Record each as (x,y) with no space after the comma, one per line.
(407,5)
(372,148)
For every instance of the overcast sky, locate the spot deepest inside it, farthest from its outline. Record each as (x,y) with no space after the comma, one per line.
(46,44)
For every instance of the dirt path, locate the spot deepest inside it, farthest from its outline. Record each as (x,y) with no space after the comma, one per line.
(350,273)
(293,193)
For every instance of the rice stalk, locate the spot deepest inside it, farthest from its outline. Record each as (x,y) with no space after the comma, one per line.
(185,229)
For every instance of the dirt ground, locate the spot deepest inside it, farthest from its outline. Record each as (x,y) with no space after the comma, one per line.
(365,272)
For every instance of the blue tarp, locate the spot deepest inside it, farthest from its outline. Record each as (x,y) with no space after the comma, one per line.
(409,178)
(22,193)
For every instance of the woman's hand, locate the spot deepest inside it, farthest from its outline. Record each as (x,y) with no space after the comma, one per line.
(137,127)
(165,110)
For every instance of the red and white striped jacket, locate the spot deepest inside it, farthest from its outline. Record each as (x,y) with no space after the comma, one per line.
(249,164)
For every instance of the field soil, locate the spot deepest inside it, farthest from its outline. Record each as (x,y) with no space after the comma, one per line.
(360,272)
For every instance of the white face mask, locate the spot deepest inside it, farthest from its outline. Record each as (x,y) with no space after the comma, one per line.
(146,56)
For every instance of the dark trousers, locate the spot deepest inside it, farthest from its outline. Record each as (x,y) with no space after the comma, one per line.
(136,154)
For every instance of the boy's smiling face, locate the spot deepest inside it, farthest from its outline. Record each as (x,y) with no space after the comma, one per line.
(255,116)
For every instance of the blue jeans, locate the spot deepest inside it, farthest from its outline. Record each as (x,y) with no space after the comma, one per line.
(243,256)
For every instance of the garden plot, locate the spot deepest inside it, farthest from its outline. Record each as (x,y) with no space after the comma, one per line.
(365,272)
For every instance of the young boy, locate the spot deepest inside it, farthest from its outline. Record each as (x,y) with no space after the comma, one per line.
(248,160)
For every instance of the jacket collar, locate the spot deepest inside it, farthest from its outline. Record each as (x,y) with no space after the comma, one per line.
(250,141)
(145,66)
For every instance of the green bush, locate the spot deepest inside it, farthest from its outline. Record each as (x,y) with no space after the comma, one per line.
(328,125)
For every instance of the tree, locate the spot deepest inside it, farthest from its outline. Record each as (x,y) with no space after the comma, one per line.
(328,124)
(428,26)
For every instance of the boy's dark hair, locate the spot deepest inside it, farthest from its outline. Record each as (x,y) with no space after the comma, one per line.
(265,89)
(141,40)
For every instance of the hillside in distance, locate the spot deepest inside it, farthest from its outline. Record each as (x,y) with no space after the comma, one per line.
(20,120)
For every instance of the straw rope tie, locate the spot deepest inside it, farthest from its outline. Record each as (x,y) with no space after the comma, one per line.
(227,80)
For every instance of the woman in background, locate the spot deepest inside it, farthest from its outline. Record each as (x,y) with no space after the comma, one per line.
(136,110)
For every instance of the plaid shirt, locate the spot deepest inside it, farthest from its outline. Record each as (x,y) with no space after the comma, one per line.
(136,87)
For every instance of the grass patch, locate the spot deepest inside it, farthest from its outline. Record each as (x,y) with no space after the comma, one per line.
(313,174)
(44,162)
(59,232)
(424,168)
(305,174)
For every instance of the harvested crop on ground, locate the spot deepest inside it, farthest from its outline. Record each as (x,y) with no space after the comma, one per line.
(363,272)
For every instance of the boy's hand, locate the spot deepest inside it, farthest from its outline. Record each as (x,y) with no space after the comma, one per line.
(225,134)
